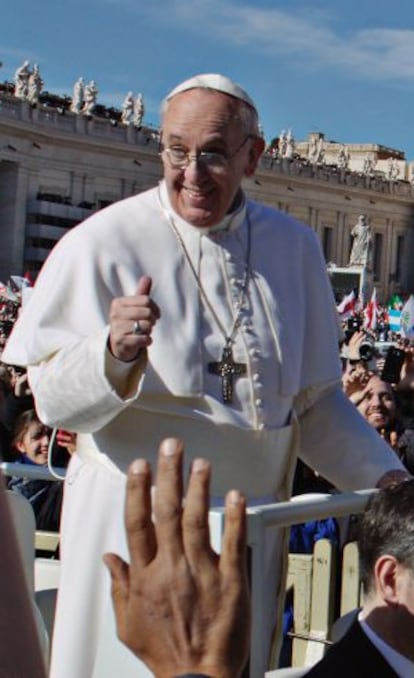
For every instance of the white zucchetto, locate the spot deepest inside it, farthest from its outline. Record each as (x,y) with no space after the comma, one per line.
(215,81)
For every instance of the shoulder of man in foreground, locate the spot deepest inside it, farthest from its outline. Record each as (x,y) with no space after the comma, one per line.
(353,655)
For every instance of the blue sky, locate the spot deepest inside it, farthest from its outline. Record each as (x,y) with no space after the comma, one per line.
(342,68)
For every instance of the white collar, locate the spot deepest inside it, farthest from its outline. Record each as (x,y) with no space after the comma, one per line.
(403,666)
(230,222)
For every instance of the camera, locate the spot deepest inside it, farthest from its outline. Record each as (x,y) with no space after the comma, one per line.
(353,325)
(367,346)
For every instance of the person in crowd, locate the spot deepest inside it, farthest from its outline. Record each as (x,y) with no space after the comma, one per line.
(377,404)
(405,398)
(31,440)
(190,311)
(380,641)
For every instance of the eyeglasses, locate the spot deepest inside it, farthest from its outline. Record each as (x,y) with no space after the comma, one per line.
(180,158)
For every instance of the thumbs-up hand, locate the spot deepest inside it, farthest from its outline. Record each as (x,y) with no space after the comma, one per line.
(131,320)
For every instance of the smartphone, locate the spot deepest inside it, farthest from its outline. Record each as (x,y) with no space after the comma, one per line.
(391,372)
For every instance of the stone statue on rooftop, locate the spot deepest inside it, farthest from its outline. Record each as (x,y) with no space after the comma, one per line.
(369,165)
(289,145)
(361,251)
(316,150)
(128,109)
(139,110)
(21,81)
(343,157)
(77,96)
(281,148)
(90,95)
(34,87)
(393,169)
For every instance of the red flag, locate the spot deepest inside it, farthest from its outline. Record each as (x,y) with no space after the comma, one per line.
(371,312)
(347,305)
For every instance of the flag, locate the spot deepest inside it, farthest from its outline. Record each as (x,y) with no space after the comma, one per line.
(407,319)
(371,312)
(394,318)
(347,306)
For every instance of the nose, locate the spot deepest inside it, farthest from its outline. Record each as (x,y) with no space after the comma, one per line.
(376,401)
(195,169)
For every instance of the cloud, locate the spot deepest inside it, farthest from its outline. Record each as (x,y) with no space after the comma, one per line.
(309,40)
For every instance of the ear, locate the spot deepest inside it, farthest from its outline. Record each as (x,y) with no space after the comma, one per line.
(20,447)
(255,151)
(386,572)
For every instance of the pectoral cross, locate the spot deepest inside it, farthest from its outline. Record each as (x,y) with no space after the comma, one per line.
(227,368)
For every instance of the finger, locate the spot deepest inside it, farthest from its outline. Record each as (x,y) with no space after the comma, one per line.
(144,285)
(138,522)
(196,534)
(233,558)
(119,574)
(168,497)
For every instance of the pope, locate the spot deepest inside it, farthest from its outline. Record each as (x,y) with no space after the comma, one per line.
(188,311)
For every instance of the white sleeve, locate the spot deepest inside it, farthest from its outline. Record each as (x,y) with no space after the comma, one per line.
(337,442)
(82,388)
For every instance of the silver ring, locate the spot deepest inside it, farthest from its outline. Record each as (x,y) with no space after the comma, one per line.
(136,328)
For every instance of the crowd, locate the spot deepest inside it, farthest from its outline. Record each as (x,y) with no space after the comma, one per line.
(23,437)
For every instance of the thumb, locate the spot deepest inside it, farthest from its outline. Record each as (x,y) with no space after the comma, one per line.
(144,285)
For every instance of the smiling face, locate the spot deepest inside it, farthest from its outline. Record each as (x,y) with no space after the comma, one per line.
(378,404)
(201,120)
(34,442)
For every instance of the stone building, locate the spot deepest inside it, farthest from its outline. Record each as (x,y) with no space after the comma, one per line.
(57,167)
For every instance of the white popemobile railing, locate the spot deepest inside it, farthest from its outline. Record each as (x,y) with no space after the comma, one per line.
(260,518)
(284,514)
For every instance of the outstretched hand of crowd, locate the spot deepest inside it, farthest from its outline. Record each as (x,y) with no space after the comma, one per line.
(179,606)
(354,381)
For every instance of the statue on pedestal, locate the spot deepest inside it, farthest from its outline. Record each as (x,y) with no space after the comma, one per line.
(369,165)
(21,81)
(361,251)
(139,110)
(128,109)
(393,169)
(343,157)
(90,96)
(316,150)
(77,96)
(289,145)
(282,144)
(34,87)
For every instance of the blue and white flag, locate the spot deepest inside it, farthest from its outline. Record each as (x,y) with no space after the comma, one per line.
(407,319)
(394,319)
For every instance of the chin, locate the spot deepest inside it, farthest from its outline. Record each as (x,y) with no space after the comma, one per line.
(198,217)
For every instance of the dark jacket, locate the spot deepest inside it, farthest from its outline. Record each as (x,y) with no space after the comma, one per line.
(353,656)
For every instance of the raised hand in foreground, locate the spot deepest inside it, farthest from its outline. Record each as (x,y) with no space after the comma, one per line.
(179,606)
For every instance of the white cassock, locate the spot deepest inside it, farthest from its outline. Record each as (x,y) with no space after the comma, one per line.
(289,401)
